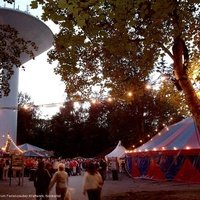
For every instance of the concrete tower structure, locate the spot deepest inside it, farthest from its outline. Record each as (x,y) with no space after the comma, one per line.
(29,28)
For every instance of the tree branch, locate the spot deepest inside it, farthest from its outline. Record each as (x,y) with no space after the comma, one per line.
(166,50)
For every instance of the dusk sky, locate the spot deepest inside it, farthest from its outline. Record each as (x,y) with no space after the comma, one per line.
(38,80)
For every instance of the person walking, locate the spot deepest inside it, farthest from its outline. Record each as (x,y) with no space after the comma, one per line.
(60,178)
(41,181)
(92,183)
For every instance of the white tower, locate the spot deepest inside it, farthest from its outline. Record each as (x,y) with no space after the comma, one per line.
(29,28)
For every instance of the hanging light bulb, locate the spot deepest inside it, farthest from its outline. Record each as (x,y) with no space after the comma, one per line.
(109,99)
(130,94)
(148,86)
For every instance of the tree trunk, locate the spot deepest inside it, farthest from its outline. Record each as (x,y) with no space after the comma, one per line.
(180,72)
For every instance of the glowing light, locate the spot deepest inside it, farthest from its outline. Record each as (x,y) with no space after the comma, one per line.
(7,145)
(187,147)
(154,149)
(159,133)
(130,94)
(163,148)
(148,87)
(198,94)
(109,99)
(146,150)
(148,136)
(93,101)
(3,148)
(133,146)
(26,107)
(140,141)
(175,148)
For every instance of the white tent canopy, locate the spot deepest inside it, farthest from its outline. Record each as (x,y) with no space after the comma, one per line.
(118,152)
(30,147)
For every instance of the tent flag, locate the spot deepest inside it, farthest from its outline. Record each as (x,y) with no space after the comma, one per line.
(172,154)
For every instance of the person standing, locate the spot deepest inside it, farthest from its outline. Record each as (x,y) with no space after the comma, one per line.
(41,181)
(103,168)
(60,178)
(2,164)
(6,169)
(92,183)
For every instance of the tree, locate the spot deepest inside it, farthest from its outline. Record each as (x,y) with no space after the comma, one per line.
(26,119)
(9,1)
(141,116)
(111,43)
(79,131)
(11,48)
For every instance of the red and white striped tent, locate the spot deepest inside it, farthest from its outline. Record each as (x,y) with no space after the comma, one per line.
(172,154)
(182,135)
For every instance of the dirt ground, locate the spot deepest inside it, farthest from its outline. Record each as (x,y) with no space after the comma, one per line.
(142,189)
(125,188)
(156,195)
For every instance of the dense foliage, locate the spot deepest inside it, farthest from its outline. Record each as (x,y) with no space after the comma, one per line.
(110,44)
(95,130)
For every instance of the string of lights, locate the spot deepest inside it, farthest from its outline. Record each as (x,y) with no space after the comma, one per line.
(9,141)
(50,105)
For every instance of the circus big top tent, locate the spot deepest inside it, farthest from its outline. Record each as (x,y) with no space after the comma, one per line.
(173,154)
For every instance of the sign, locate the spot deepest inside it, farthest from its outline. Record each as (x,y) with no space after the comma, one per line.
(17,162)
(17,166)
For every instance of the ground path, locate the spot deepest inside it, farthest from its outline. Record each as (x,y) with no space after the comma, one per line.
(124,184)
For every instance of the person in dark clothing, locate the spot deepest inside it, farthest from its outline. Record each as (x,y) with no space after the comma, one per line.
(41,181)
(2,164)
(103,168)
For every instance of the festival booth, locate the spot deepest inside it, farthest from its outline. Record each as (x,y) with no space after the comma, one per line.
(172,154)
(30,147)
(34,151)
(30,153)
(119,152)
(115,159)
(15,161)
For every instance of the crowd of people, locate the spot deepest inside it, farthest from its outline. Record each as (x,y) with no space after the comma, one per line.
(47,172)
(57,173)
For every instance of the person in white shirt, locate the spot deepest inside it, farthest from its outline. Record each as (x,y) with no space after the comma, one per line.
(60,178)
(92,183)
